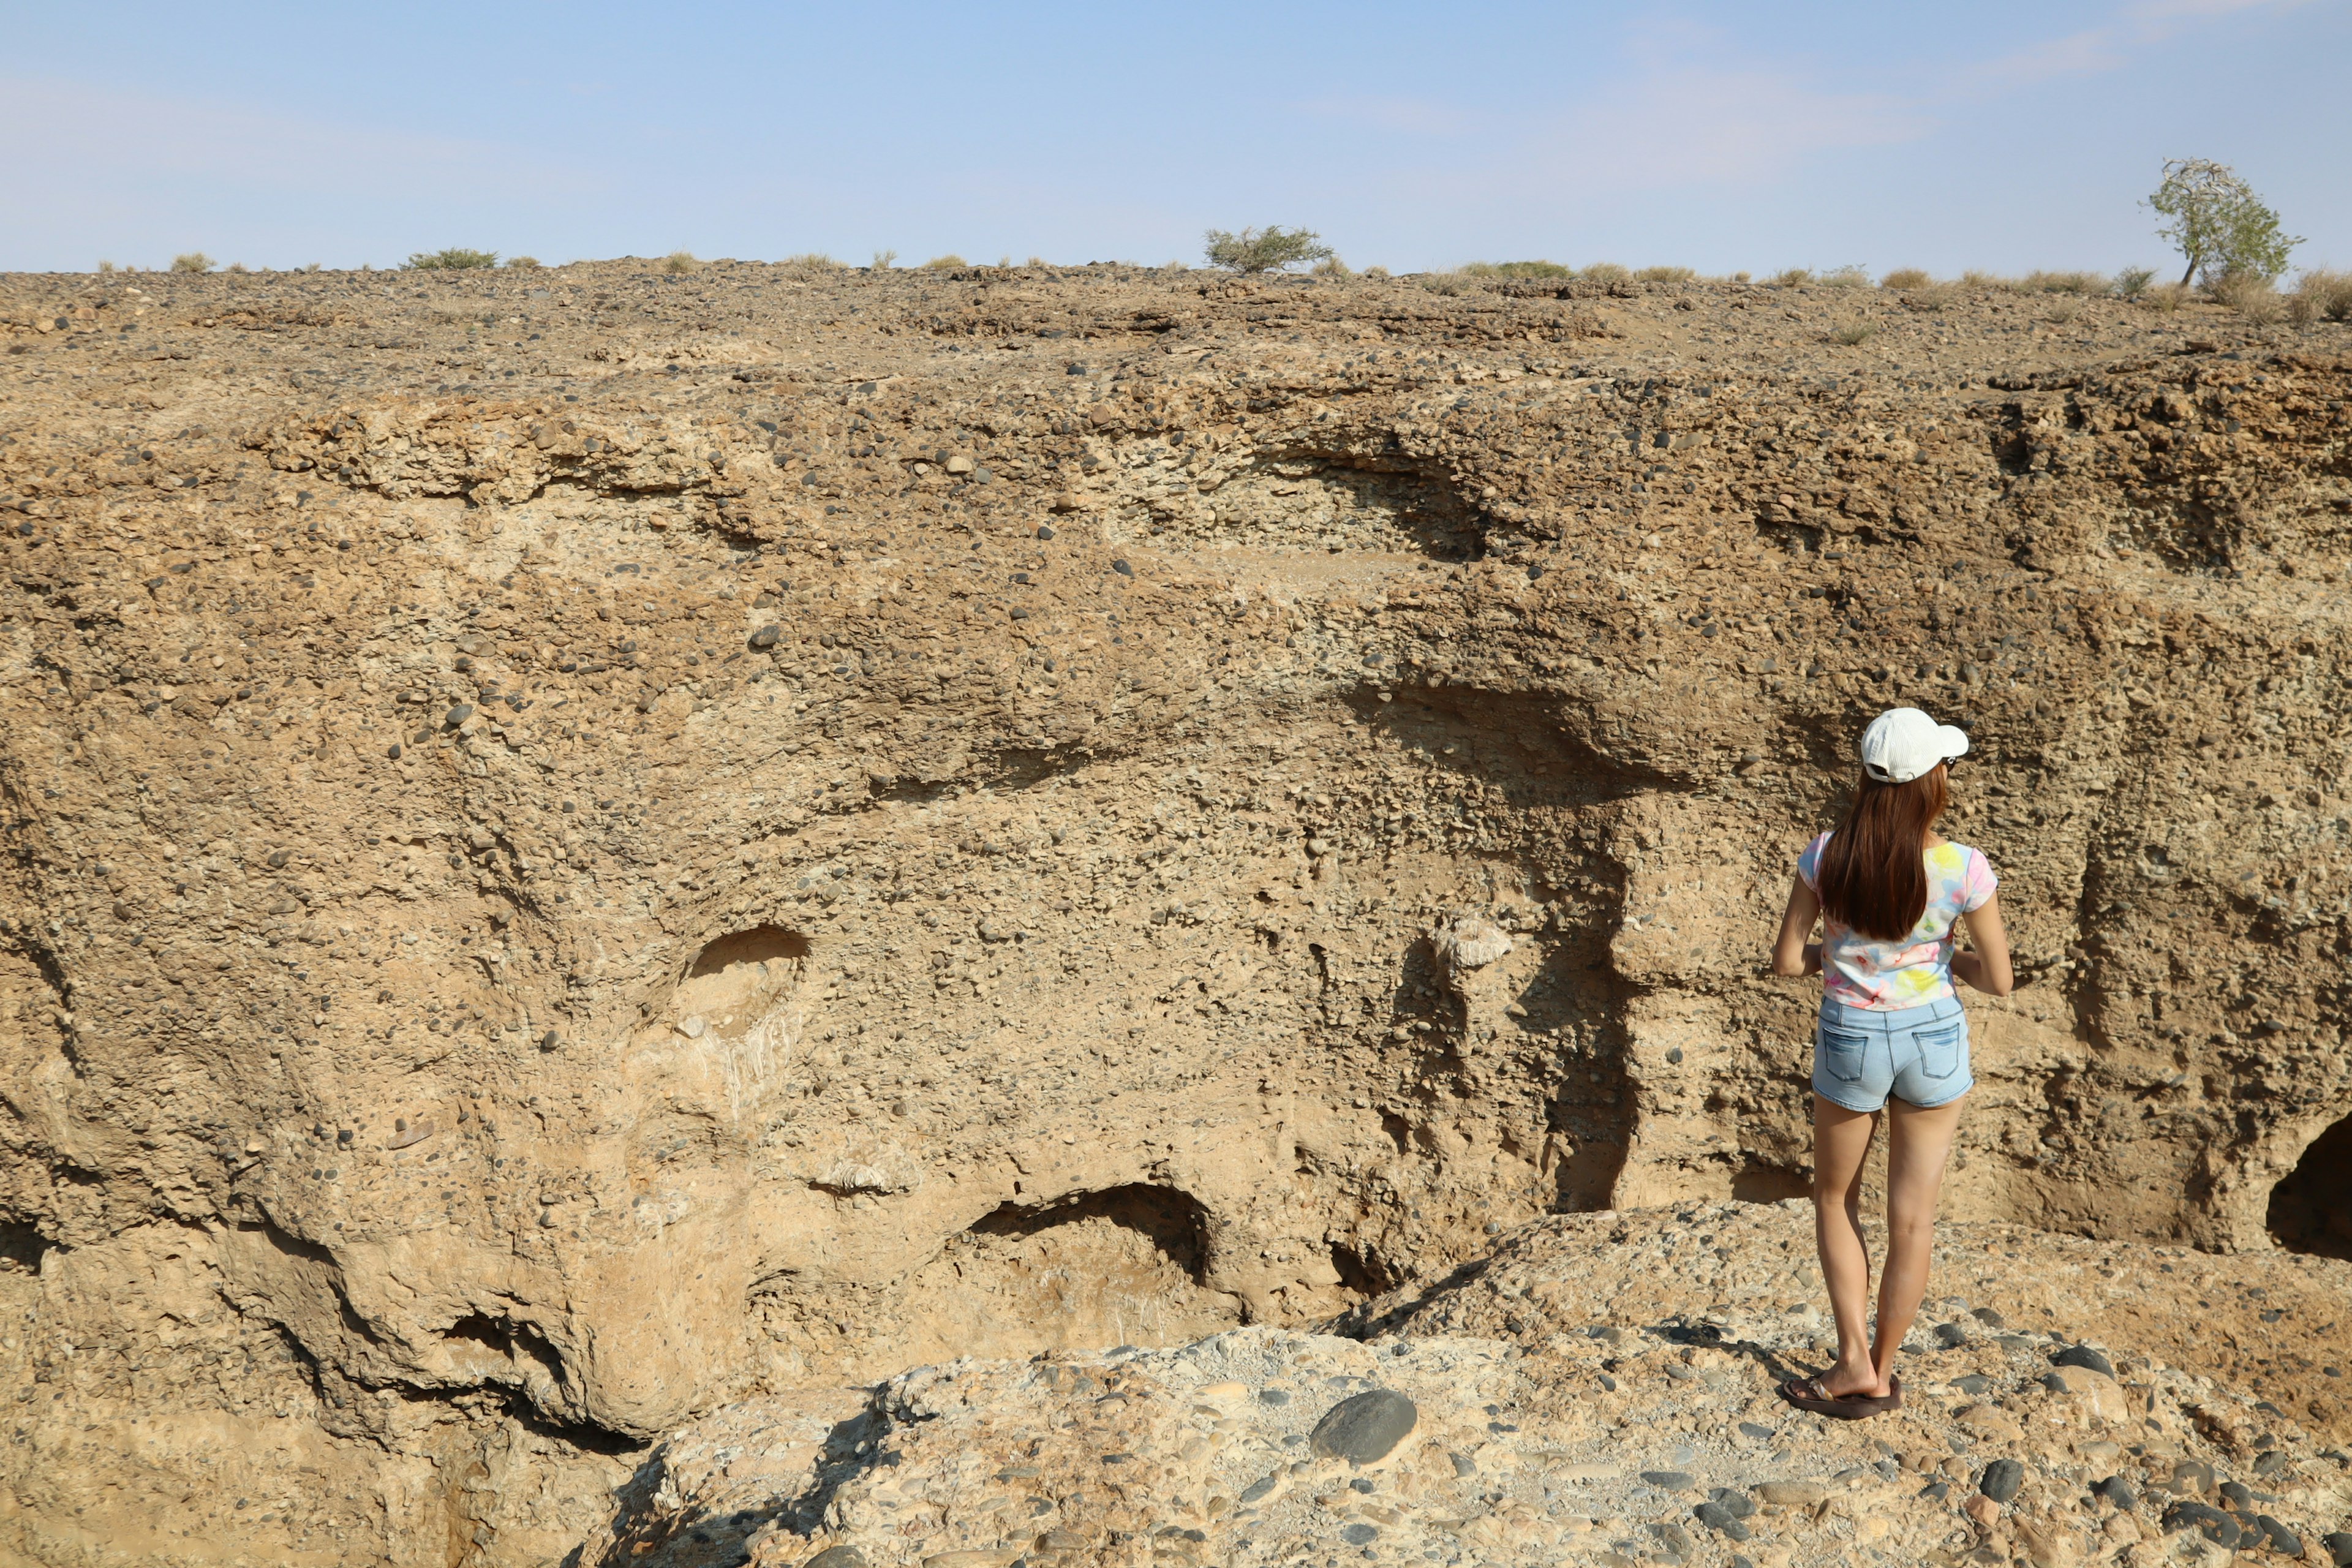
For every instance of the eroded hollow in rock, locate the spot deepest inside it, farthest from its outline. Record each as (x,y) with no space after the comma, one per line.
(1124,1266)
(1302,501)
(2311,1210)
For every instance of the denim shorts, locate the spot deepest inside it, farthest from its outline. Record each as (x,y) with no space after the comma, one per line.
(1920,1055)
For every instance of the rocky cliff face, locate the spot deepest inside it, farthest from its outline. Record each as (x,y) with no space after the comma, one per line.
(586,845)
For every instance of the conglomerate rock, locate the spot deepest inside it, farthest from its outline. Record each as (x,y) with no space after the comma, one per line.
(589,844)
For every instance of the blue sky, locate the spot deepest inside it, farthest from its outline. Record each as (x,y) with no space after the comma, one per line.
(2000,135)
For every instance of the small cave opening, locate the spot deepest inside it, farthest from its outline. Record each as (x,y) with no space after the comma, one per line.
(2311,1208)
(1124,1265)
(761,945)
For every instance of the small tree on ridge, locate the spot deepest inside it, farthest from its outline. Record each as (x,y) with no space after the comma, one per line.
(2218,222)
(1268,250)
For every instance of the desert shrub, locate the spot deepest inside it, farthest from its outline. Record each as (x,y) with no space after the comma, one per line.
(1933,297)
(1332,267)
(2066,283)
(1667,275)
(810,261)
(523,263)
(1848,277)
(1789,278)
(2166,297)
(1605,272)
(884,260)
(237,266)
(2131,283)
(679,262)
(2218,223)
(1972,278)
(1268,250)
(949,262)
(1381,272)
(1852,333)
(1519,269)
(1907,278)
(1449,284)
(2062,311)
(2250,296)
(2322,295)
(453,259)
(105,267)
(192,261)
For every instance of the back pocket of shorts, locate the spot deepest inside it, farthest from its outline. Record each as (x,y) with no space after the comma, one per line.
(1940,1048)
(1839,1053)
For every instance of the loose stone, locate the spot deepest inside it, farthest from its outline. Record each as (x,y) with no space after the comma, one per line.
(2001,1478)
(1364,1428)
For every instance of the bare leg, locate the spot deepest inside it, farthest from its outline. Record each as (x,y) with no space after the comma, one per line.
(1840,1143)
(1918,1144)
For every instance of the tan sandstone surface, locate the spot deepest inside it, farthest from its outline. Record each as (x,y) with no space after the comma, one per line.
(604,867)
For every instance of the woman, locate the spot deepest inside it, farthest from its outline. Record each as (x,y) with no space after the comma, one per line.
(1889,892)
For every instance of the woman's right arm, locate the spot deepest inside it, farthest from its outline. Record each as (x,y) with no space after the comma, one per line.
(1792,955)
(1987,968)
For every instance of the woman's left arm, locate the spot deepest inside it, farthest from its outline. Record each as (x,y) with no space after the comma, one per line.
(1792,955)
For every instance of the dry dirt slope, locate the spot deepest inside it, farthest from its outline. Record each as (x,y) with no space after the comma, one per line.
(586,845)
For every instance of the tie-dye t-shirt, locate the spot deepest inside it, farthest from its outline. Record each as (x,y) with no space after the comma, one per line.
(1915,970)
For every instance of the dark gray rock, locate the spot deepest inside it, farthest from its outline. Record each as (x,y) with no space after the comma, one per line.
(1989,1318)
(2085,1357)
(2204,1518)
(843,1556)
(1974,1382)
(2116,1490)
(768,636)
(2000,1480)
(2284,1542)
(1720,1520)
(1273,1396)
(1359,1535)
(1670,1481)
(1951,1336)
(1364,1428)
(2192,1475)
(2340,1547)
(1463,1465)
(2271,1463)
(1255,1490)
(1751,1429)
(1732,1501)
(459,715)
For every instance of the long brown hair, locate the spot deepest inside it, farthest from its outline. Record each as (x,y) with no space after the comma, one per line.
(1872,876)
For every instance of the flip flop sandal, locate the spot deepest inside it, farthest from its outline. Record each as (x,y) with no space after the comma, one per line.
(1807,1393)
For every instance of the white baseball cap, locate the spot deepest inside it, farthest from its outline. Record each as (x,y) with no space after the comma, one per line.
(1902,743)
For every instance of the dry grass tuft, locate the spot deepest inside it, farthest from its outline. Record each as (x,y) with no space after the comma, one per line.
(523,263)
(1519,269)
(1846,278)
(1667,275)
(1601,272)
(2167,297)
(1332,267)
(2321,295)
(948,263)
(1381,273)
(456,259)
(884,260)
(1976,279)
(1789,278)
(2131,283)
(1853,333)
(2067,283)
(1907,278)
(2063,311)
(1929,300)
(192,261)
(679,262)
(2252,296)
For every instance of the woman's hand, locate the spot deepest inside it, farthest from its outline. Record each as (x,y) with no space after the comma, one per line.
(1792,955)
(1985,969)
